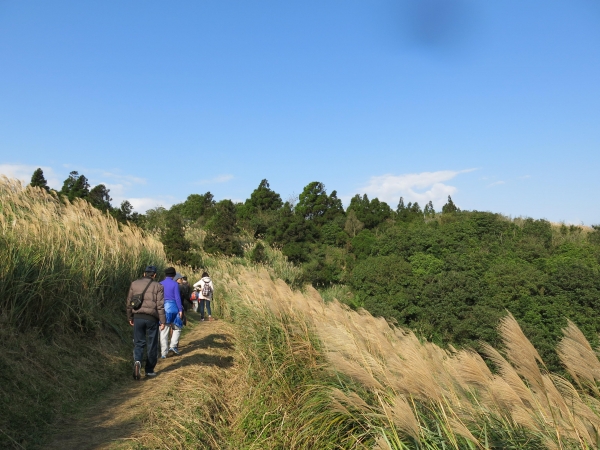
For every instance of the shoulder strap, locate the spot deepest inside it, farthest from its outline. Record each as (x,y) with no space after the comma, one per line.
(146,288)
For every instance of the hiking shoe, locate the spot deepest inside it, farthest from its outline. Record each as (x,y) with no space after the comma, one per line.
(211,318)
(151,374)
(137,367)
(163,356)
(174,350)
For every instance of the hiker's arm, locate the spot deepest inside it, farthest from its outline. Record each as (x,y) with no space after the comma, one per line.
(129,310)
(178,300)
(160,305)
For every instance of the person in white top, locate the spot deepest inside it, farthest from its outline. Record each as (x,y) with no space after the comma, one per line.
(205,289)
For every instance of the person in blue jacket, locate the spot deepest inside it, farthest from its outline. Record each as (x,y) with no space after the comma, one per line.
(173,313)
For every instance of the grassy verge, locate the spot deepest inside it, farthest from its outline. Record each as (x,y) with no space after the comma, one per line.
(44,379)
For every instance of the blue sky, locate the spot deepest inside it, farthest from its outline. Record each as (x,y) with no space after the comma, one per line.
(495,103)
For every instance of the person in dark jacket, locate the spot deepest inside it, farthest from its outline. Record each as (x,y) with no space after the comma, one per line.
(184,291)
(145,321)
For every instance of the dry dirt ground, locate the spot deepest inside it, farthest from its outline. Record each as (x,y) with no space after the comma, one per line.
(120,418)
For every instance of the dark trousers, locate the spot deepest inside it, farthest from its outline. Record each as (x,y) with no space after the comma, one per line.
(202,303)
(141,327)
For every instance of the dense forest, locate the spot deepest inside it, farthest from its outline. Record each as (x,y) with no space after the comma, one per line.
(449,274)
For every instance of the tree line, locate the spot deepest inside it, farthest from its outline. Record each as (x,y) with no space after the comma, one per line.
(77,186)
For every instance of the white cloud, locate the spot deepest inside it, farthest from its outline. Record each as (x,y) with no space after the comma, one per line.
(143,204)
(217,179)
(497,183)
(420,187)
(23,172)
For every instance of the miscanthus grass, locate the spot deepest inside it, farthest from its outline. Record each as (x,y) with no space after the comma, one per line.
(64,265)
(350,380)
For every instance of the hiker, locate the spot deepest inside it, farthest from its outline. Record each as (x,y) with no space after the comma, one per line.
(173,313)
(185,282)
(206,289)
(145,310)
(184,291)
(195,298)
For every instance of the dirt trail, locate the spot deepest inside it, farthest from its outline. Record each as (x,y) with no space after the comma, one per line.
(118,417)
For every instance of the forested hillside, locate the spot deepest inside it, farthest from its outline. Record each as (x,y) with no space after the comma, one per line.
(450,275)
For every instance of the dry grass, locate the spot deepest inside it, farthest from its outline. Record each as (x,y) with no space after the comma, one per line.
(455,388)
(69,260)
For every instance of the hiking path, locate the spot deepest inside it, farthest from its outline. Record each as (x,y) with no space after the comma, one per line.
(119,418)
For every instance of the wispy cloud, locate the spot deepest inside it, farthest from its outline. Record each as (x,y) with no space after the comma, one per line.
(23,172)
(126,179)
(217,179)
(420,187)
(496,183)
(143,204)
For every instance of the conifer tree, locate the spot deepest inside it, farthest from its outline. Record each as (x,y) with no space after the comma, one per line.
(76,186)
(222,228)
(450,207)
(38,180)
(429,211)
(264,198)
(173,238)
(99,197)
(401,206)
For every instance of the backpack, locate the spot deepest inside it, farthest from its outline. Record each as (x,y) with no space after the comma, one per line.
(194,296)
(206,290)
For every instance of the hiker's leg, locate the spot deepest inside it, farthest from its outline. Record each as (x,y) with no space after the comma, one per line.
(164,340)
(139,338)
(152,352)
(175,336)
(195,302)
(202,308)
(208,308)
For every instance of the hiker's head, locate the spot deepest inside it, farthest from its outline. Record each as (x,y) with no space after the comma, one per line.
(184,280)
(178,278)
(150,271)
(205,274)
(170,272)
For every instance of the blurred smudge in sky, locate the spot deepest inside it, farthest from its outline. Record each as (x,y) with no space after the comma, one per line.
(437,22)
(441,28)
